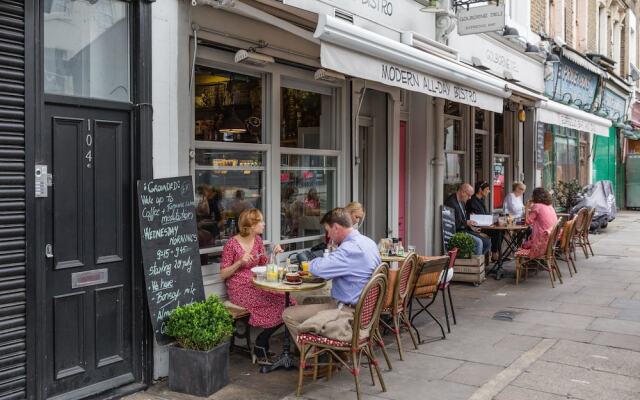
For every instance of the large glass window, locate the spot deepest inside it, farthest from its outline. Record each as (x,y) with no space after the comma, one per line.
(454,147)
(306,119)
(566,158)
(86,49)
(308,191)
(228,106)
(227,183)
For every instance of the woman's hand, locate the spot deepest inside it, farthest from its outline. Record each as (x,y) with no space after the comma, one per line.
(246,259)
(277,249)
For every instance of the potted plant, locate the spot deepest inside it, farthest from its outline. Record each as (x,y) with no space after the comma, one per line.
(464,243)
(567,194)
(199,363)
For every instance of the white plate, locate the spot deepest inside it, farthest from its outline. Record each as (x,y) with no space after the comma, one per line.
(292,283)
(259,269)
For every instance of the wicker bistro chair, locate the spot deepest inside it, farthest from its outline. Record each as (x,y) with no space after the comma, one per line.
(578,235)
(547,261)
(565,245)
(377,336)
(349,354)
(586,229)
(397,310)
(425,292)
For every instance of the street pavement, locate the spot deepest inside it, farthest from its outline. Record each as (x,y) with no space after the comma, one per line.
(579,340)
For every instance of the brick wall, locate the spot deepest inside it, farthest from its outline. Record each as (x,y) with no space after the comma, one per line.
(538,15)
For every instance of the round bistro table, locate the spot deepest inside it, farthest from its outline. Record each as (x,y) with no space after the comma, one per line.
(513,241)
(286,359)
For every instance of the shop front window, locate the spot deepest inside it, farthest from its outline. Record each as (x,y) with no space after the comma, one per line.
(453,172)
(86,49)
(308,190)
(306,119)
(453,134)
(548,170)
(500,168)
(454,148)
(228,107)
(227,183)
(566,158)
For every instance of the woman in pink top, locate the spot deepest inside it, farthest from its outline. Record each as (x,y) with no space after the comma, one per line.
(541,216)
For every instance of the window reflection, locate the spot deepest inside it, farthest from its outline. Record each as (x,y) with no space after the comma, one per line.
(308,192)
(228,106)
(227,183)
(306,120)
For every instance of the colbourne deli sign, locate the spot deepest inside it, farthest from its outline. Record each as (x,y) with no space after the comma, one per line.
(481,19)
(366,67)
(570,81)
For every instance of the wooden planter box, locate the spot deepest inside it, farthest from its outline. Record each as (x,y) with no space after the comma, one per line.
(469,270)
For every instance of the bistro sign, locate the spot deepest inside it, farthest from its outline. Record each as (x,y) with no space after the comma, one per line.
(339,59)
(399,15)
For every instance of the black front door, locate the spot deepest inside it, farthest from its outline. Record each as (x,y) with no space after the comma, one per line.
(88,320)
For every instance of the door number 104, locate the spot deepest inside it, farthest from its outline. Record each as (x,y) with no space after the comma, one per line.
(89,151)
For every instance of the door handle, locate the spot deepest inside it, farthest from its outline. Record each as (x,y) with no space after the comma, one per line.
(48,250)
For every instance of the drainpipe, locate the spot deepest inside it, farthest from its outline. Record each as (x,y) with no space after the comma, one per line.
(438,174)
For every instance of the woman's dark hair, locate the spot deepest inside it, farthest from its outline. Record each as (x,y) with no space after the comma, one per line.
(481,185)
(540,195)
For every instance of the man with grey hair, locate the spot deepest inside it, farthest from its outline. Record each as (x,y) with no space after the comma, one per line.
(457,201)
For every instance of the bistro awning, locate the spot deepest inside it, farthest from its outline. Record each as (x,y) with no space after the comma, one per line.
(357,52)
(551,112)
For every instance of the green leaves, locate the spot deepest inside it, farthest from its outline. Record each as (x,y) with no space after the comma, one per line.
(465,244)
(202,325)
(566,194)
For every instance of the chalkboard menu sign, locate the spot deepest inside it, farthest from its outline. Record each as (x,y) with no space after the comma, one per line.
(448,226)
(170,251)
(540,145)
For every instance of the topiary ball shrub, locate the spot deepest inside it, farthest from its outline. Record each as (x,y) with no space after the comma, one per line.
(465,244)
(202,325)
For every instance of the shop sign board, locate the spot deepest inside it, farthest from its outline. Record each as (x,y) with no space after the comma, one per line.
(570,78)
(481,19)
(500,59)
(614,104)
(388,73)
(399,15)
(170,251)
(572,122)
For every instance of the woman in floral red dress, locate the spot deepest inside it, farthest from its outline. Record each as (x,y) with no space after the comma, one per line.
(241,253)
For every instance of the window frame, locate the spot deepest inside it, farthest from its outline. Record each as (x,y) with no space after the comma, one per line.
(273,76)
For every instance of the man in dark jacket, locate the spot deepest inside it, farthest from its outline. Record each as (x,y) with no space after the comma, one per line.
(476,205)
(458,201)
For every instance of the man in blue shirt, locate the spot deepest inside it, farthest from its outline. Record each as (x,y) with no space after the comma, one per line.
(350,267)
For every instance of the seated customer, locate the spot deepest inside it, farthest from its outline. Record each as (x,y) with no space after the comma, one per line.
(541,217)
(350,267)
(513,204)
(458,201)
(241,253)
(476,205)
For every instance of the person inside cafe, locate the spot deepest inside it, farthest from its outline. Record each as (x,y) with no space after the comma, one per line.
(541,217)
(513,202)
(457,201)
(349,267)
(356,211)
(477,205)
(241,253)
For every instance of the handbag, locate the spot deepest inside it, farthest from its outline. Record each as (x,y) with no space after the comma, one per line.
(308,255)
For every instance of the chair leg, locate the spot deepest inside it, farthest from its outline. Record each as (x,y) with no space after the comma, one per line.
(396,332)
(453,311)
(557,268)
(356,372)
(377,367)
(575,271)
(446,311)
(407,324)
(584,247)
(370,358)
(437,322)
(551,274)
(377,336)
(303,353)
(518,270)
(589,244)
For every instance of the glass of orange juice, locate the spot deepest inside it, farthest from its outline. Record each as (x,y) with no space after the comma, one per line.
(305,265)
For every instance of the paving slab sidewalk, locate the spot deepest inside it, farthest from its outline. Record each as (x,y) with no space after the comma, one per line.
(580,340)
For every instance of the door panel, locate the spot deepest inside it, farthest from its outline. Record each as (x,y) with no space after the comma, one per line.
(89,278)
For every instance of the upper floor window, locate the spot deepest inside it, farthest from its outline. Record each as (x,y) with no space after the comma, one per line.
(86,49)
